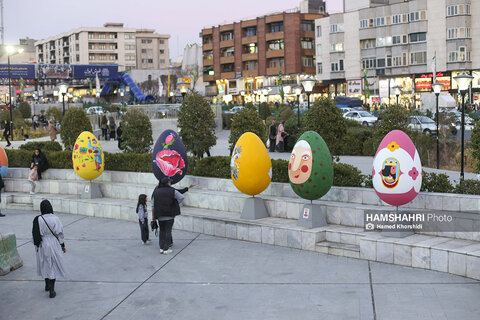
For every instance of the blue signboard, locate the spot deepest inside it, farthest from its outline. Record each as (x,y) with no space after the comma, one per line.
(17,71)
(91,70)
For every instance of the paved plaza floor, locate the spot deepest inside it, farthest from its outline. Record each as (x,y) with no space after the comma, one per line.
(113,276)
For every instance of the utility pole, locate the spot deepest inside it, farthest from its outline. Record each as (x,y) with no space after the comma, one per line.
(2,30)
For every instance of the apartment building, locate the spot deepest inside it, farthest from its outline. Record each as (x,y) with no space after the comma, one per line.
(252,54)
(395,42)
(111,44)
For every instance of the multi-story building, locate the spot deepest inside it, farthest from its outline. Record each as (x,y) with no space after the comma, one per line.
(27,56)
(251,54)
(111,44)
(395,43)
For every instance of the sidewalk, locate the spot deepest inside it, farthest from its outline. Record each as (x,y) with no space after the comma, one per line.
(113,276)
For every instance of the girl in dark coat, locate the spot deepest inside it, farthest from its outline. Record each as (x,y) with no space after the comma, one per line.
(40,161)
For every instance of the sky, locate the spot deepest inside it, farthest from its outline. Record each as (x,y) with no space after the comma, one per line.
(182,19)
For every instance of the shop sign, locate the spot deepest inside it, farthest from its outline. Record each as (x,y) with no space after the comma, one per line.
(354,87)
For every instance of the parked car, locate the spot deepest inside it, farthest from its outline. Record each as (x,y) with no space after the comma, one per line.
(96,110)
(458,116)
(422,124)
(302,111)
(234,109)
(364,117)
(346,109)
(162,112)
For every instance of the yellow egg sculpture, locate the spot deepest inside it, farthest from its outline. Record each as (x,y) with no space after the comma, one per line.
(87,157)
(250,166)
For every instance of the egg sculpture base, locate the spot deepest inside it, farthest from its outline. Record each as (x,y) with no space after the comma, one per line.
(254,208)
(91,190)
(312,216)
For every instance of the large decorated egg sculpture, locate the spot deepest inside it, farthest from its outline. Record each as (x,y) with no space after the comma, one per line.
(87,156)
(3,162)
(250,165)
(397,170)
(169,157)
(310,168)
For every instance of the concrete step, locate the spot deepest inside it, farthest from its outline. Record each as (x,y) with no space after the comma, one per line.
(19,206)
(338,249)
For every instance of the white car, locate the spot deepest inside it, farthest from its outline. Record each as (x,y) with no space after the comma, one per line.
(422,124)
(458,116)
(234,109)
(95,110)
(364,117)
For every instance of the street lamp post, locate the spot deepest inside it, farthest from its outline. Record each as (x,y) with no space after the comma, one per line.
(10,52)
(183,87)
(308,85)
(298,92)
(62,88)
(242,93)
(122,93)
(397,90)
(437,87)
(463,80)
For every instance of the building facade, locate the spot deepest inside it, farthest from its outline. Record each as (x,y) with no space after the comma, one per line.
(398,43)
(256,53)
(27,56)
(111,44)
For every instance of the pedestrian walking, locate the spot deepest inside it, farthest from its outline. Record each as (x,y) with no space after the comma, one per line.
(52,131)
(7,132)
(281,134)
(143,218)
(119,136)
(272,135)
(104,127)
(112,126)
(49,243)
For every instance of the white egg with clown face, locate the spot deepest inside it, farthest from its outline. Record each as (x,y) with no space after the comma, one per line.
(397,169)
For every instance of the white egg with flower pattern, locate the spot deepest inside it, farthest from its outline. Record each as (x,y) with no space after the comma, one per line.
(397,169)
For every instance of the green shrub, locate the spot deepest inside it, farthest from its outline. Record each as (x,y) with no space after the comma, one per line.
(432,182)
(291,127)
(42,145)
(74,123)
(325,118)
(135,162)
(25,110)
(196,122)
(54,113)
(475,145)
(355,139)
(19,158)
(136,132)
(345,175)
(285,112)
(280,170)
(227,121)
(246,120)
(425,145)
(469,186)
(264,110)
(218,167)
(59,159)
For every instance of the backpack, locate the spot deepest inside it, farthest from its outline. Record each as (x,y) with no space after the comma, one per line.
(112,125)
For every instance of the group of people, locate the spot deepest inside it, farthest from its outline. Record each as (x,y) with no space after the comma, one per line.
(276,136)
(110,130)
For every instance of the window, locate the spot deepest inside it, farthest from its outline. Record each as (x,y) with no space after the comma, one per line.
(277,62)
(129,47)
(90,35)
(418,57)
(113,57)
(307,61)
(452,33)
(418,37)
(227,52)
(453,56)
(162,61)
(102,36)
(77,36)
(397,61)
(276,45)
(381,63)
(307,26)
(229,67)
(389,61)
(319,49)
(225,36)
(369,63)
(208,55)
(417,15)
(208,70)
(129,36)
(397,39)
(381,42)
(250,48)
(363,24)
(276,26)
(91,57)
(319,68)
(337,66)
(207,39)
(307,43)
(319,31)
(452,10)
(334,28)
(161,41)
(250,31)
(251,65)
(397,18)
(130,57)
(144,50)
(162,51)
(77,47)
(367,44)
(337,47)
(146,41)
(380,21)
(78,58)
(112,36)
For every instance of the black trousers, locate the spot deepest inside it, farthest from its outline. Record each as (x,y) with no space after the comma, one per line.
(272,145)
(144,229)
(6,136)
(165,238)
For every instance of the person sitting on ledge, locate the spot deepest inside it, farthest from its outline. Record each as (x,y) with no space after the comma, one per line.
(40,160)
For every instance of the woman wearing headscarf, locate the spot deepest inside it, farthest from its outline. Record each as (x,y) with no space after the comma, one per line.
(40,161)
(49,243)
(281,136)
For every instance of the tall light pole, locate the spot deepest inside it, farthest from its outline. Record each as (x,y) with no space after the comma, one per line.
(11,51)
(437,87)
(242,93)
(308,85)
(463,81)
(298,92)
(183,87)
(122,93)
(62,88)
(397,90)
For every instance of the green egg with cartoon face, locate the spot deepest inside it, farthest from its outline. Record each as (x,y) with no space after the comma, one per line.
(310,169)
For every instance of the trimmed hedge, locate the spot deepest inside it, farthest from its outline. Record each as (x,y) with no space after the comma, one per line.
(42,145)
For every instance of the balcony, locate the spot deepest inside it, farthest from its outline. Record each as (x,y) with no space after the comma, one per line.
(275,18)
(229,59)
(207,31)
(208,61)
(227,75)
(252,39)
(274,71)
(207,46)
(307,34)
(274,36)
(207,78)
(94,50)
(275,53)
(309,70)
(308,52)
(250,73)
(249,23)
(249,56)
(103,39)
(226,27)
(226,43)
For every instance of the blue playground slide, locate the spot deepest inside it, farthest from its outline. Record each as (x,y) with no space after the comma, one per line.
(127,81)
